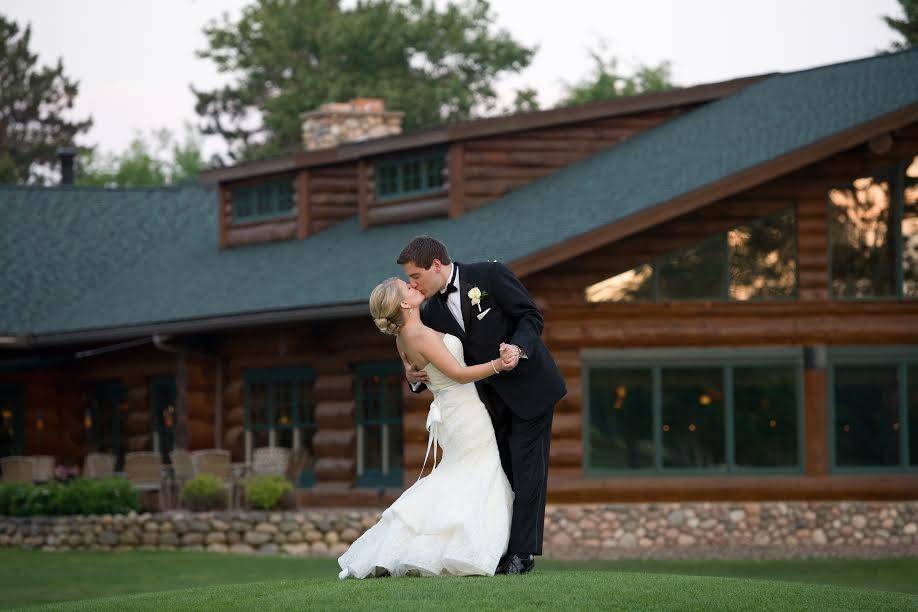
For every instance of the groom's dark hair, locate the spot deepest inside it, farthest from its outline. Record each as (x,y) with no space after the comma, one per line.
(422,250)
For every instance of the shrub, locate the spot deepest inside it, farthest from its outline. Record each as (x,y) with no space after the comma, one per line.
(77,496)
(266,491)
(204,492)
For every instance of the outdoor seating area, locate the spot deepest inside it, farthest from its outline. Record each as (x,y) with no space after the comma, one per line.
(151,476)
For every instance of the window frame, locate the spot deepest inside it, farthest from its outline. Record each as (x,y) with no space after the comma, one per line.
(723,357)
(896,174)
(901,356)
(275,184)
(271,376)
(382,477)
(399,163)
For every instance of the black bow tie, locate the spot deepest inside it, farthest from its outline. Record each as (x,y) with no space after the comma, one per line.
(444,295)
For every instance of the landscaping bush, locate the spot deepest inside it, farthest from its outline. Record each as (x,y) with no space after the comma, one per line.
(265,492)
(76,496)
(204,492)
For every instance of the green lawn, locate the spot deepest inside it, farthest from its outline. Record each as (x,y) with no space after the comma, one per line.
(163,580)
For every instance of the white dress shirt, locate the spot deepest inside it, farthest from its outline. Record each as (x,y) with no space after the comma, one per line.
(452,300)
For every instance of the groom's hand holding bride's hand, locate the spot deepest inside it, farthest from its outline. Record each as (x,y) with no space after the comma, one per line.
(509,355)
(413,375)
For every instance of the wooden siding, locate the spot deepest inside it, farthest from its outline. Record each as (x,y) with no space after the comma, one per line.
(324,195)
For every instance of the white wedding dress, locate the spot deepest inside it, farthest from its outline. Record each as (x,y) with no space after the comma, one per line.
(456,520)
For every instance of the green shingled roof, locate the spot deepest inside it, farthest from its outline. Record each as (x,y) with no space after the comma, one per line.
(77,259)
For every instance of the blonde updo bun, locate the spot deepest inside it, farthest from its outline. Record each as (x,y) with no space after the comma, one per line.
(386,306)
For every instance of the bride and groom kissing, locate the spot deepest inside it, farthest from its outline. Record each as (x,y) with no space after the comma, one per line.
(481,509)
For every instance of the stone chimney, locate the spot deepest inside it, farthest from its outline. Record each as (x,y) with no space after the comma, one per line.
(340,122)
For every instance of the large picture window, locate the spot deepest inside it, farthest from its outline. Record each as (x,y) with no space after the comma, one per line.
(379,423)
(410,176)
(873,396)
(713,410)
(754,261)
(279,411)
(873,235)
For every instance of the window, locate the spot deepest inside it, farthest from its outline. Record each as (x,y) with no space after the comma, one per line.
(755,261)
(705,410)
(279,411)
(269,198)
(12,421)
(379,423)
(873,235)
(162,407)
(104,421)
(396,178)
(873,396)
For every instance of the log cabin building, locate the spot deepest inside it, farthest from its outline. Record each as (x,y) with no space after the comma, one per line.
(728,275)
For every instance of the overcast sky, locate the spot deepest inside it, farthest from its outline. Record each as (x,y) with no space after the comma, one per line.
(135,59)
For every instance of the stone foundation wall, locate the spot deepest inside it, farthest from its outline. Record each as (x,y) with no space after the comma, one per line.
(595,531)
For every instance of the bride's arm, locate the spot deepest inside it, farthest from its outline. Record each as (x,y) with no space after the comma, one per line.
(433,350)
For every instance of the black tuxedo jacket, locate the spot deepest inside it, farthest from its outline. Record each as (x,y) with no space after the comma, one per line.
(535,385)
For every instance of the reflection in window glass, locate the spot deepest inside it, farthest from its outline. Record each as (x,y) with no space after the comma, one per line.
(621,419)
(862,249)
(631,286)
(866,416)
(694,273)
(910,232)
(763,261)
(693,418)
(765,416)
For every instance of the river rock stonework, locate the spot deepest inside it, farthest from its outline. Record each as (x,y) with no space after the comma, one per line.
(592,531)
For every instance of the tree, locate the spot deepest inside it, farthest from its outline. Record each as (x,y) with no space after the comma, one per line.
(907,28)
(608,82)
(161,161)
(291,56)
(33,101)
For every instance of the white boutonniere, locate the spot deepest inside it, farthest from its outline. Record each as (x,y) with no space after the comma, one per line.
(475,294)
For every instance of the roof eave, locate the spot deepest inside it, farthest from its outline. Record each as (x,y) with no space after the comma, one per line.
(199,325)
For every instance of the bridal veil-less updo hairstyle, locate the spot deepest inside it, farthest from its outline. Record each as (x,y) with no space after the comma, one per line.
(386,306)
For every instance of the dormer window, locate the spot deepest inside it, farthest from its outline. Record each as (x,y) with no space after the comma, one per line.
(410,176)
(263,200)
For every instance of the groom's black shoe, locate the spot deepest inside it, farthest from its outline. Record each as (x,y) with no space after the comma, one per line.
(515,564)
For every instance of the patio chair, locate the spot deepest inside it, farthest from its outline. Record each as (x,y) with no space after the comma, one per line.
(182,472)
(99,465)
(144,470)
(270,460)
(17,468)
(216,462)
(42,468)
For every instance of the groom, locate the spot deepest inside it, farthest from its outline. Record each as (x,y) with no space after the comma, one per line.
(487,307)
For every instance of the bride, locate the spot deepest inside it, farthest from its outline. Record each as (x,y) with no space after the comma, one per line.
(455,521)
